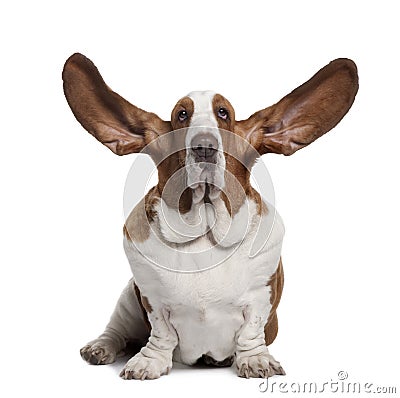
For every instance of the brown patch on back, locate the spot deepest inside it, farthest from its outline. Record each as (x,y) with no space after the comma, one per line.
(276,283)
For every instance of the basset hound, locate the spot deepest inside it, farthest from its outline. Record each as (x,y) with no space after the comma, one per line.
(203,246)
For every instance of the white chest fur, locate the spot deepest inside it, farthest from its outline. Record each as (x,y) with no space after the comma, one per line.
(206,287)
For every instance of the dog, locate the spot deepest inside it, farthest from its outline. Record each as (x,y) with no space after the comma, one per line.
(203,246)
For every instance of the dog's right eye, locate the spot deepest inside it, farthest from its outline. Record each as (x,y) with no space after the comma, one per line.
(182,116)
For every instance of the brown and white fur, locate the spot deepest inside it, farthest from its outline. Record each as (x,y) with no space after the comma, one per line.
(199,289)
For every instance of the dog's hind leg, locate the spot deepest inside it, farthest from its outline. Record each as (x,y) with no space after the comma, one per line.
(128,323)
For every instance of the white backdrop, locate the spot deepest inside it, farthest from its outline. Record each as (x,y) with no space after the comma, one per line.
(62,262)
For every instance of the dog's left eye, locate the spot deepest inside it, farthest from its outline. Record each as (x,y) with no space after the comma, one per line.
(223,113)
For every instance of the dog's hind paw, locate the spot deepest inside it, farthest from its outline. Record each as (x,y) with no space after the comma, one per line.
(99,352)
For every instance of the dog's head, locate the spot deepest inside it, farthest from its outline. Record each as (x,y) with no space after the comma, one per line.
(203,151)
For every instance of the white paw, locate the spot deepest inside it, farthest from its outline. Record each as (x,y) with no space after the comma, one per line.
(99,352)
(261,365)
(141,367)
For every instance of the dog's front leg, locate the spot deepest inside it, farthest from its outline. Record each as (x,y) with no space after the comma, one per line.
(154,359)
(252,356)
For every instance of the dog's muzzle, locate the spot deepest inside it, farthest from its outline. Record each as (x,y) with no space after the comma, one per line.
(204,147)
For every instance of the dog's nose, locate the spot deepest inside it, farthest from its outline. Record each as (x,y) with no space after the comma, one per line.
(204,147)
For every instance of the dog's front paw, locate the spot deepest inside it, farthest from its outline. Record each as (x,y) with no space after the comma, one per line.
(261,365)
(99,352)
(141,367)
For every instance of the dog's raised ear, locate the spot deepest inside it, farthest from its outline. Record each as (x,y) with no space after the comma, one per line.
(306,113)
(115,122)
